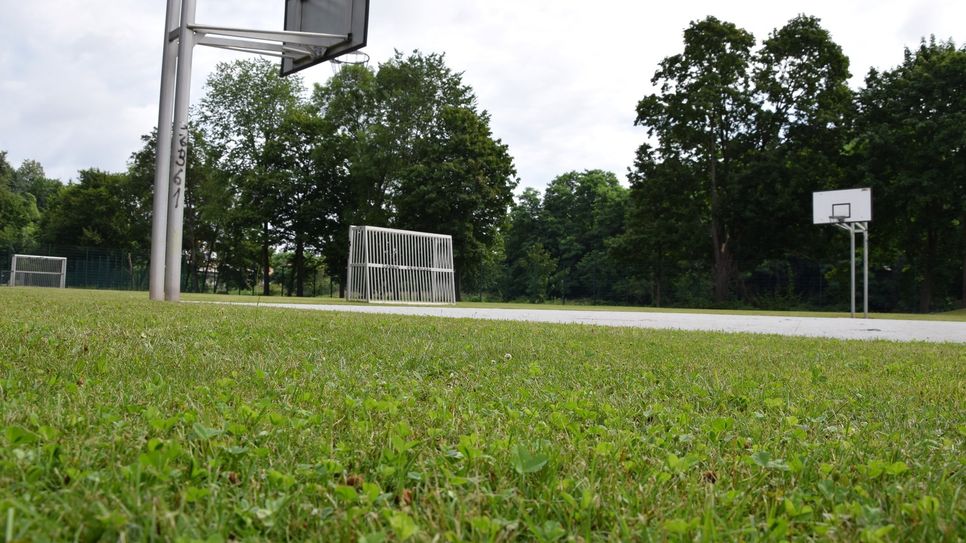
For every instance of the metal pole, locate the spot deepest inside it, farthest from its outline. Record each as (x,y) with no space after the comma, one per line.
(865,265)
(13,271)
(162,154)
(179,156)
(365,250)
(852,259)
(348,271)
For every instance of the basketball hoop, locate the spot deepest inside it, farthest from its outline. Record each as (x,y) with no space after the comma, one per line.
(840,219)
(354,58)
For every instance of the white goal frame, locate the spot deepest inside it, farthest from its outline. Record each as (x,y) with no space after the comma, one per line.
(400,266)
(52,266)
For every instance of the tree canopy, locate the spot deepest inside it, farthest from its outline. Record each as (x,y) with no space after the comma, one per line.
(715,212)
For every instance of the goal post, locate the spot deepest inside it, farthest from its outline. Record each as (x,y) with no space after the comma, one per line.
(38,271)
(400,266)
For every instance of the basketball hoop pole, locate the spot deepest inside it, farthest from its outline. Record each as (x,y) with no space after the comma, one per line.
(179,155)
(865,262)
(171,160)
(852,270)
(863,228)
(162,154)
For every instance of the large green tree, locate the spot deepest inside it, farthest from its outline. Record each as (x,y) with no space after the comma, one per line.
(243,109)
(459,182)
(417,153)
(739,140)
(702,115)
(304,163)
(525,227)
(101,209)
(912,146)
(664,227)
(18,212)
(583,212)
(30,179)
(803,124)
(357,189)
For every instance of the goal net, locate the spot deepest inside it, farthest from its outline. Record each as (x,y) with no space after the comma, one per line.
(38,271)
(387,265)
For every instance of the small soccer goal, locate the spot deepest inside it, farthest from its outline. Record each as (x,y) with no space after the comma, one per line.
(38,271)
(400,266)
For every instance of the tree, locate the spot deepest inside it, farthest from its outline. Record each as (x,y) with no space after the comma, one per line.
(305,168)
(702,116)
(357,189)
(460,182)
(583,211)
(525,227)
(101,210)
(742,139)
(415,153)
(665,213)
(242,111)
(30,178)
(912,136)
(804,115)
(18,212)
(537,266)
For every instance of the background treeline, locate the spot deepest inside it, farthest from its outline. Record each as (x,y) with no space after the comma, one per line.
(737,136)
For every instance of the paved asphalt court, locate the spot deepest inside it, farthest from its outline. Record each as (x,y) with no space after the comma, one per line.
(895,330)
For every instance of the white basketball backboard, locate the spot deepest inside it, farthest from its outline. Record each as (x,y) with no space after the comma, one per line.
(842,206)
(339,17)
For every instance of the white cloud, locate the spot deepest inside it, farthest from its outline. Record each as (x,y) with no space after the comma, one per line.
(561,79)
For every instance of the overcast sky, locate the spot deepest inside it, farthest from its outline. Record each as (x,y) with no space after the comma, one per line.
(79,79)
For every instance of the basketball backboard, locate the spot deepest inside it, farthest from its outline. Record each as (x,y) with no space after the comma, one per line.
(340,17)
(842,206)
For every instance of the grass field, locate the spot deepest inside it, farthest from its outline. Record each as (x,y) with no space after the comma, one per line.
(956,315)
(128,420)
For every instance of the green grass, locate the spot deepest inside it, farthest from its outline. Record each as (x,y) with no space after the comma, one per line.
(956,315)
(128,420)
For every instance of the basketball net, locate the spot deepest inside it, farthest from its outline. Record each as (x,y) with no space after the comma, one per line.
(355,58)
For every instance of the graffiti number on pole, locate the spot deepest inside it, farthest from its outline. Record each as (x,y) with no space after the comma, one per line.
(180,162)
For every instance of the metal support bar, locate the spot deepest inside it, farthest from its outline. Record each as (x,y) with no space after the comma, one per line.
(159,214)
(864,228)
(288,36)
(179,156)
(249,46)
(852,260)
(365,249)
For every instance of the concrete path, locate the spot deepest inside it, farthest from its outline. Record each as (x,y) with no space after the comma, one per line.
(896,330)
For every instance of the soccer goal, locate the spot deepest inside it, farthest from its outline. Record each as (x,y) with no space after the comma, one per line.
(38,271)
(402,266)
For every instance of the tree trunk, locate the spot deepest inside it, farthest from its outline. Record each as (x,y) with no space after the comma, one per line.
(928,275)
(721,271)
(299,267)
(658,277)
(457,281)
(266,287)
